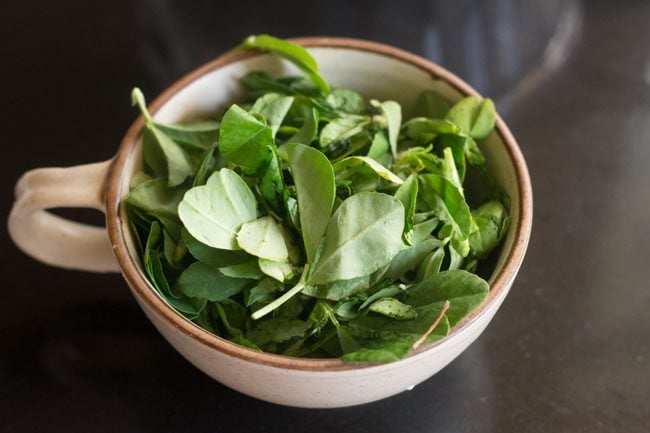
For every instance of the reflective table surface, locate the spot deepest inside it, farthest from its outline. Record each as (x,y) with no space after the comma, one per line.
(569,351)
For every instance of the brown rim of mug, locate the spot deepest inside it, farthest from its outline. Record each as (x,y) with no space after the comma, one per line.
(147,294)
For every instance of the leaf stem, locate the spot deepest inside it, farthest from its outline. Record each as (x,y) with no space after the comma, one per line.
(137,98)
(433,326)
(282,299)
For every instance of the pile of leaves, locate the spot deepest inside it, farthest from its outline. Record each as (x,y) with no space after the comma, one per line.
(312,222)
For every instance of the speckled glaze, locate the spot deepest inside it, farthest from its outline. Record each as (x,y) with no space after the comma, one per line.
(375,70)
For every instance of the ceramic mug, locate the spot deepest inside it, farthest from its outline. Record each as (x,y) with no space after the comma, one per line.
(373,69)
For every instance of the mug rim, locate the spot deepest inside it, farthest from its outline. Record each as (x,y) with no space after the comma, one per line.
(145,293)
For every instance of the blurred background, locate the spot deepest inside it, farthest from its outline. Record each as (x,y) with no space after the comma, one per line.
(569,350)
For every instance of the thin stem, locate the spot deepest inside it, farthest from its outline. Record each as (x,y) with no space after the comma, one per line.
(282,299)
(137,98)
(433,326)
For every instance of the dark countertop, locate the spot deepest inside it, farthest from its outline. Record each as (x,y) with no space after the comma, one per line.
(569,351)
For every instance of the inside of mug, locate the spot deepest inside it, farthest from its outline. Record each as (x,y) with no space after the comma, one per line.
(374,75)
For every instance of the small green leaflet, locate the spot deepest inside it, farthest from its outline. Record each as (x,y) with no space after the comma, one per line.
(464,290)
(407,193)
(206,282)
(199,135)
(347,101)
(155,197)
(213,213)
(212,256)
(492,221)
(281,271)
(370,222)
(347,167)
(292,52)
(474,116)
(263,292)
(263,238)
(249,269)
(393,113)
(161,152)
(314,179)
(342,128)
(244,140)
(393,308)
(423,129)
(437,191)
(380,148)
(273,107)
(307,132)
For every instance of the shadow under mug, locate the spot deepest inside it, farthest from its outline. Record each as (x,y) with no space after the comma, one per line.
(373,69)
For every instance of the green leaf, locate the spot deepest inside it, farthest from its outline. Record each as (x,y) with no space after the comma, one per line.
(277,330)
(204,281)
(213,213)
(212,256)
(273,107)
(320,316)
(347,167)
(393,113)
(492,221)
(419,126)
(388,347)
(201,134)
(340,289)
(409,258)
(380,149)
(426,316)
(449,170)
(423,230)
(249,269)
(262,293)
(364,234)
(190,308)
(259,83)
(342,128)
(474,116)
(307,132)
(438,192)
(431,264)
(347,101)
(431,104)
(155,197)
(272,184)
(314,180)
(246,343)
(393,308)
(473,152)
(382,293)
(465,291)
(458,146)
(292,52)
(160,151)
(244,140)
(151,260)
(281,271)
(208,162)
(233,316)
(263,238)
(407,193)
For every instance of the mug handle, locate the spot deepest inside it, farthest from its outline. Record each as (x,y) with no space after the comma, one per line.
(54,240)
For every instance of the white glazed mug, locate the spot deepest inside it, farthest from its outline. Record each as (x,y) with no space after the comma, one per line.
(374,70)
